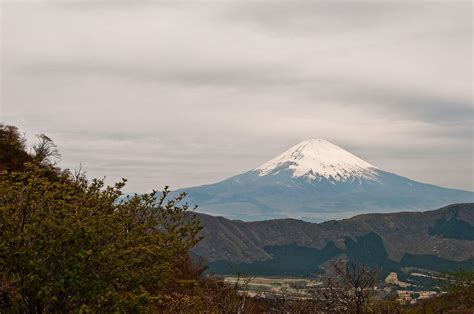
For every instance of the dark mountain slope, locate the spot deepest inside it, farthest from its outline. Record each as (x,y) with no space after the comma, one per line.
(396,240)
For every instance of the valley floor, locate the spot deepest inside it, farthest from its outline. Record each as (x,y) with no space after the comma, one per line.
(300,288)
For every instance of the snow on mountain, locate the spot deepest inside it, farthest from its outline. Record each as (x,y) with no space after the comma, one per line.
(316,158)
(316,181)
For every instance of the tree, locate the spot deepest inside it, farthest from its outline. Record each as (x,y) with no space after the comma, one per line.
(13,153)
(348,290)
(45,149)
(69,244)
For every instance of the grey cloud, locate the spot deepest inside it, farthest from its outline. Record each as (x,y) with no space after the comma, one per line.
(392,100)
(399,103)
(301,15)
(298,18)
(237,76)
(191,93)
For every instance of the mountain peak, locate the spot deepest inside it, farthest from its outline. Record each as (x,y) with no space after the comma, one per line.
(316,159)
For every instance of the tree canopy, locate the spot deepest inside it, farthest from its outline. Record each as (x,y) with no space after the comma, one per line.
(69,244)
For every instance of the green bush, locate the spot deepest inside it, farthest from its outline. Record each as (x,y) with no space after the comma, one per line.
(68,245)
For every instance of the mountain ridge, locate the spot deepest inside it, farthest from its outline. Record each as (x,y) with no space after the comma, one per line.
(443,237)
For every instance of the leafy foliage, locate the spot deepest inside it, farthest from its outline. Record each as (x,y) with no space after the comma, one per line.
(13,153)
(69,244)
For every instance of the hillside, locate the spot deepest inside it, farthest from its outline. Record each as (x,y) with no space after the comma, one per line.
(432,240)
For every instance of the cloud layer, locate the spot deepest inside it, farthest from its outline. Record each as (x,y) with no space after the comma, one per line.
(188,93)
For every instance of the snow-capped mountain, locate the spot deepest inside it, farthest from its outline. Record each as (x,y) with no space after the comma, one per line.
(318,159)
(316,180)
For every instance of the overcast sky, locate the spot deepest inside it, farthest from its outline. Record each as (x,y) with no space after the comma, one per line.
(189,93)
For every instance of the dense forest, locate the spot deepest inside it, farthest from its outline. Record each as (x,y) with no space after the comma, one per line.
(70,244)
